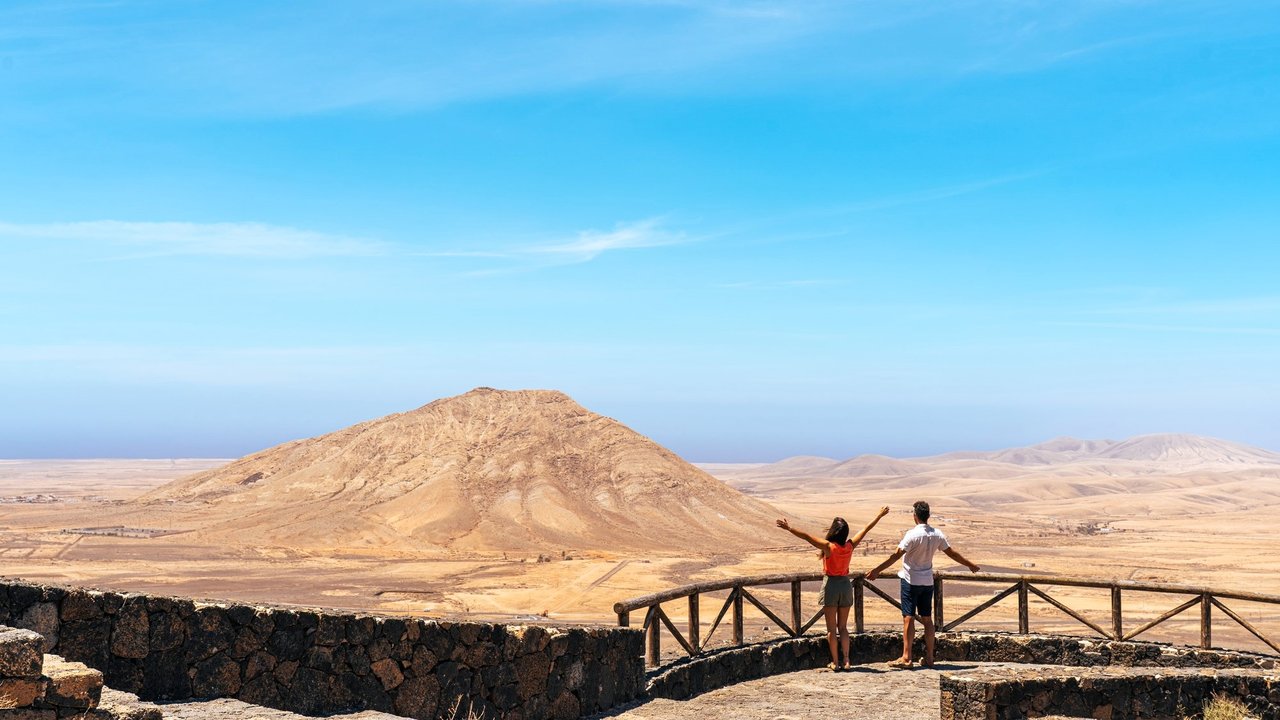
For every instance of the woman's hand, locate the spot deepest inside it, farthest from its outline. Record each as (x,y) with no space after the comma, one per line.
(883,511)
(782,523)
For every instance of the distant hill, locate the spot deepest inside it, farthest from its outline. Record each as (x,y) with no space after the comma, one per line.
(1189,450)
(874,465)
(1169,450)
(486,470)
(1054,469)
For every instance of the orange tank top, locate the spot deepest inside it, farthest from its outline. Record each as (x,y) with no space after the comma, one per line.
(836,563)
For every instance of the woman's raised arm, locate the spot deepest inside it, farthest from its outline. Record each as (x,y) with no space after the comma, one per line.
(863,533)
(820,544)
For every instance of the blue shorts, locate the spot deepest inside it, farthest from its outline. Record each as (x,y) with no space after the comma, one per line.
(916,599)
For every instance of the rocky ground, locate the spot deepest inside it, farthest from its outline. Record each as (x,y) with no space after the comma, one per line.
(868,691)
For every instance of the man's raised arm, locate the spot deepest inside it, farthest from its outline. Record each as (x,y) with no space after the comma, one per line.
(873,574)
(955,555)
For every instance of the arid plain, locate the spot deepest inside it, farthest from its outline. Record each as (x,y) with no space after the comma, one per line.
(494,539)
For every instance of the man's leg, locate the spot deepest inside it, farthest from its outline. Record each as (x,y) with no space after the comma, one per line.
(908,637)
(927,622)
(908,623)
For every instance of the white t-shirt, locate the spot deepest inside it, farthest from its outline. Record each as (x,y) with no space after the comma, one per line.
(918,546)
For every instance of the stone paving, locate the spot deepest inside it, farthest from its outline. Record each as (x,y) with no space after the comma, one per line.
(235,710)
(868,691)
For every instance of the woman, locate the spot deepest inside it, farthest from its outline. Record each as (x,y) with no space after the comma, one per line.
(837,590)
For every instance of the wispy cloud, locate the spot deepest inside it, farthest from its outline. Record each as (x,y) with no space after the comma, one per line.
(585,246)
(778,284)
(1221,306)
(590,244)
(927,195)
(207,365)
(299,58)
(1152,327)
(832,213)
(160,239)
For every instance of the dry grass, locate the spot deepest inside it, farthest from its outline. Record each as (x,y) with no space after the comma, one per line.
(459,712)
(1224,708)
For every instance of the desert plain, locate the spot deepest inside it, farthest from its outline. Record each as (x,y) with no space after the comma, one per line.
(1164,508)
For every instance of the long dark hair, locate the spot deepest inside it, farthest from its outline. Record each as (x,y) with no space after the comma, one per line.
(838,533)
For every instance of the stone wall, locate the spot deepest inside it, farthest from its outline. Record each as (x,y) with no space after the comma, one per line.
(319,662)
(692,676)
(1114,693)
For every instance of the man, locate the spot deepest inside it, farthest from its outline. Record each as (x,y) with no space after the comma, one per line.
(916,550)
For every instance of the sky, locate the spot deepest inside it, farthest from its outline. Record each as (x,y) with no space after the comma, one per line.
(748,230)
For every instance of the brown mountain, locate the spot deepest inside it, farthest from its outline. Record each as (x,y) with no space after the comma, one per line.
(486,470)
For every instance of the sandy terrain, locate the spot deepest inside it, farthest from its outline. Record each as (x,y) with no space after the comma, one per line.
(1209,527)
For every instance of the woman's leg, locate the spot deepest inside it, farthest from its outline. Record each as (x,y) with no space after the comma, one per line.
(829,611)
(842,622)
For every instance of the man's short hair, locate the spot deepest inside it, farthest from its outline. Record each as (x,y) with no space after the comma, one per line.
(921,509)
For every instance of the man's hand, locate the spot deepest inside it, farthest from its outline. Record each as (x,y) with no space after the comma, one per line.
(873,574)
(883,511)
(973,568)
(782,523)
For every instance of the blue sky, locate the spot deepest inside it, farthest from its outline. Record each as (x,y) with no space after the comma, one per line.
(746,229)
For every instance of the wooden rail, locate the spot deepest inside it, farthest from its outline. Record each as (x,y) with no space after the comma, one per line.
(694,642)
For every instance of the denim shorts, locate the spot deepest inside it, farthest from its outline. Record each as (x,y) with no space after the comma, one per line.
(916,599)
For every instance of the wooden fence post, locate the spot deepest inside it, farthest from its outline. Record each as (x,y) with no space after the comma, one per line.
(796,620)
(857,604)
(624,619)
(737,616)
(1206,621)
(938,619)
(1024,616)
(655,637)
(1117,622)
(695,625)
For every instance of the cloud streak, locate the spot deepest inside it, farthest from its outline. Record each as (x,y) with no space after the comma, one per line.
(1264,305)
(224,239)
(1197,329)
(585,246)
(297,58)
(590,244)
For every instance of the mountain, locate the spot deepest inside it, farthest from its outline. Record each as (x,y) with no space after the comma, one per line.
(1178,473)
(1170,453)
(486,470)
(1188,450)
(1070,445)
(875,465)
(1163,451)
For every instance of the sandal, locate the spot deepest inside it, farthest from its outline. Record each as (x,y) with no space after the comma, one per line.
(900,663)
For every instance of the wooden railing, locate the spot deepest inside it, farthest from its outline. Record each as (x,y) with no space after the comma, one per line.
(694,642)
